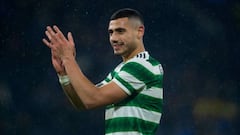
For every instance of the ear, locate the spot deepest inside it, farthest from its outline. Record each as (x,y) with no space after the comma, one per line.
(141,31)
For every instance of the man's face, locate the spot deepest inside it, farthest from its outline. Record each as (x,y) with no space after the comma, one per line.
(122,36)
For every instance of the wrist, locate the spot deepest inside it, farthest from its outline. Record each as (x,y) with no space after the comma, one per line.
(67,59)
(63,80)
(61,73)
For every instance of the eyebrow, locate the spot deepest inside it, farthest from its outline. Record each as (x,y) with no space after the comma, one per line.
(117,29)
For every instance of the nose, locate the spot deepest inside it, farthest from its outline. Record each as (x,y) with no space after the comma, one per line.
(113,38)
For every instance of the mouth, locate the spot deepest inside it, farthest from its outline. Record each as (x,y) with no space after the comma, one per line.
(117,46)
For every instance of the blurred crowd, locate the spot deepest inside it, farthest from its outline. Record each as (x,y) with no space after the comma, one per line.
(197,42)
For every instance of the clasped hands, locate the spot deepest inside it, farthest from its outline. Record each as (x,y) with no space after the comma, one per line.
(61,47)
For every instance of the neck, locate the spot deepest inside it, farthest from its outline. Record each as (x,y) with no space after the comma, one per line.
(133,53)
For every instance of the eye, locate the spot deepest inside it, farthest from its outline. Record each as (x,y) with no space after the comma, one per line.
(120,30)
(110,32)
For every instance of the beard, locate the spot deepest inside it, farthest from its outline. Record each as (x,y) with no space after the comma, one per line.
(123,50)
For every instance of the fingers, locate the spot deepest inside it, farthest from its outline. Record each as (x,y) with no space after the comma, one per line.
(59,33)
(55,36)
(48,35)
(70,38)
(57,30)
(46,42)
(50,30)
(51,34)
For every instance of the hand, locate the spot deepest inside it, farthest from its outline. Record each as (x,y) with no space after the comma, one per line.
(61,46)
(57,64)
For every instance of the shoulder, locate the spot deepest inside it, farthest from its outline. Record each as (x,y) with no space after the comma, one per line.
(143,63)
(142,59)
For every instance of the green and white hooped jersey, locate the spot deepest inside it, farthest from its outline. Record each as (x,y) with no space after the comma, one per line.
(139,114)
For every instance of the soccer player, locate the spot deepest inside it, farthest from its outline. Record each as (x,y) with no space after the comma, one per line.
(132,92)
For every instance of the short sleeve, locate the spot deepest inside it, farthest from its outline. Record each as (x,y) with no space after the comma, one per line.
(132,77)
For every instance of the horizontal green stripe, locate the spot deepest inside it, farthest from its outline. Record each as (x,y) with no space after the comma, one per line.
(153,61)
(107,80)
(143,74)
(125,83)
(142,101)
(130,124)
(109,106)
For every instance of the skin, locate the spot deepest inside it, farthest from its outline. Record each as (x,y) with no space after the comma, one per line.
(125,36)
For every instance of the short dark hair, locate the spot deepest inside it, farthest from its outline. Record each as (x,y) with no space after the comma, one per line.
(127,12)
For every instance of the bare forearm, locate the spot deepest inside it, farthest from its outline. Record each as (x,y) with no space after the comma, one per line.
(73,97)
(84,88)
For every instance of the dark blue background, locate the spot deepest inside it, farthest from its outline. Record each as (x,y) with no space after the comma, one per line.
(196,41)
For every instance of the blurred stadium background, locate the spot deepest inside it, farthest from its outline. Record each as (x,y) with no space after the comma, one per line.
(197,42)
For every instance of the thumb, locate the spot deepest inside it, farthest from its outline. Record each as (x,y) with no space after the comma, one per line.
(70,38)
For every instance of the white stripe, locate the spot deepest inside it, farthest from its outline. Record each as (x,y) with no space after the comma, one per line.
(125,133)
(132,111)
(121,86)
(104,82)
(138,85)
(154,69)
(133,81)
(153,92)
(118,68)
